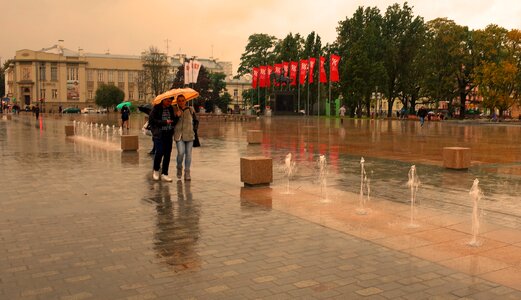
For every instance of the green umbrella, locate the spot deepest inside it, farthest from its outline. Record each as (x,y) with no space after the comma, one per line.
(120,106)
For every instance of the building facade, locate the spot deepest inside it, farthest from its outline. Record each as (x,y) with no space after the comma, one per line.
(57,76)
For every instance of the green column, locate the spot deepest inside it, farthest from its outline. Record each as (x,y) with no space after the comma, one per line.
(337,107)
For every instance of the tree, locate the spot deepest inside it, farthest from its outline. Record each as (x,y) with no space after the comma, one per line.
(258,51)
(359,43)
(499,75)
(108,95)
(2,76)
(402,36)
(156,70)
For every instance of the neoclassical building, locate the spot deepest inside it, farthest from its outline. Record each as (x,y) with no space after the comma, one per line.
(57,76)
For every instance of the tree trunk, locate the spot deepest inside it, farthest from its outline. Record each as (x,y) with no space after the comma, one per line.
(462,99)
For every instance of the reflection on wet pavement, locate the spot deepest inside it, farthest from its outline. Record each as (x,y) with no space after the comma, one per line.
(84,220)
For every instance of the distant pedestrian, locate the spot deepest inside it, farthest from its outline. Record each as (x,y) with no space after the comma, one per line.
(422,113)
(60,109)
(342,113)
(37,111)
(184,136)
(125,114)
(162,120)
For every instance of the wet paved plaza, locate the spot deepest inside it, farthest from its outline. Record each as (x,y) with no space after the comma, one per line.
(79,219)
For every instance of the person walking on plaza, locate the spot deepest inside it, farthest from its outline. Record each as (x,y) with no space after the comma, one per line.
(422,113)
(342,113)
(125,114)
(184,136)
(162,120)
(37,111)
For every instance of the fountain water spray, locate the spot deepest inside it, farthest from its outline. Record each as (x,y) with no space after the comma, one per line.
(364,185)
(476,194)
(413,184)
(289,168)
(322,164)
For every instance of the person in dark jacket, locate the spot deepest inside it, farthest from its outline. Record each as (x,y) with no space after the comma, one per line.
(162,121)
(422,113)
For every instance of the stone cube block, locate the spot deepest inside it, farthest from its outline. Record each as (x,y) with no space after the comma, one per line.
(129,143)
(254,136)
(69,130)
(456,157)
(256,171)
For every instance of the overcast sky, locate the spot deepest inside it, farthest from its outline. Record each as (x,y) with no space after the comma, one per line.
(205,28)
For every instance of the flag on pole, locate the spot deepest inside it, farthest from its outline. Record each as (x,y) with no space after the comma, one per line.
(334,60)
(187,74)
(285,69)
(303,70)
(191,69)
(255,77)
(293,72)
(323,77)
(270,70)
(312,61)
(278,71)
(262,81)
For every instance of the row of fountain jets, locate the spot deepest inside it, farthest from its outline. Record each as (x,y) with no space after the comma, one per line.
(413,184)
(97,131)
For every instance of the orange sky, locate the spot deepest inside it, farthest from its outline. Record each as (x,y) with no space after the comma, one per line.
(131,26)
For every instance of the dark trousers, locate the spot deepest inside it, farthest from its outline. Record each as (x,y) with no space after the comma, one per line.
(163,147)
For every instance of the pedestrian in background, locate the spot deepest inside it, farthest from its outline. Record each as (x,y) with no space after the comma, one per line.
(184,137)
(422,113)
(342,113)
(162,120)
(125,114)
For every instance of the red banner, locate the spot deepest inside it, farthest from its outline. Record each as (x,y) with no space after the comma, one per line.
(334,61)
(293,72)
(278,70)
(268,76)
(285,69)
(312,61)
(255,78)
(262,81)
(303,70)
(323,78)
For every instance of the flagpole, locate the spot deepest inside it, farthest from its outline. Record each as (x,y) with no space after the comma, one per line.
(307,76)
(329,97)
(318,86)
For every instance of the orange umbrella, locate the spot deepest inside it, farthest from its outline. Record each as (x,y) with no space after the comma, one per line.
(188,93)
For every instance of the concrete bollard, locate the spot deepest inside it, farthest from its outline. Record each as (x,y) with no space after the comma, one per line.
(254,136)
(456,157)
(256,171)
(69,130)
(129,143)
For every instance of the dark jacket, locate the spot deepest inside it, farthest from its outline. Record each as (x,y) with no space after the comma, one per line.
(156,121)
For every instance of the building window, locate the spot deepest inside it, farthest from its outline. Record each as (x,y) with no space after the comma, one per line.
(131,95)
(130,76)
(42,94)
(42,72)
(90,75)
(26,73)
(89,94)
(72,73)
(54,72)
(121,76)
(55,94)
(100,75)
(141,95)
(111,76)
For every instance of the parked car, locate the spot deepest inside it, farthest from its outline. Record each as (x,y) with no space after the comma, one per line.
(71,110)
(101,110)
(88,110)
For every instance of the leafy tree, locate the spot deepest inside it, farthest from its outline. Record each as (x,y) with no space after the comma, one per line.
(108,95)
(402,36)
(499,76)
(359,42)
(289,49)
(258,51)
(442,59)
(156,70)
